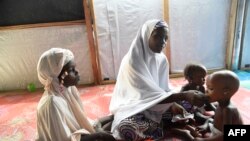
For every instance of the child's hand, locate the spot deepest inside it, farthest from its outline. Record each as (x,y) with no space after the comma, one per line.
(177,109)
(193,131)
(202,128)
(180,115)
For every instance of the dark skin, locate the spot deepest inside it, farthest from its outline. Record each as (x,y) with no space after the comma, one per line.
(158,39)
(196,82)
(72,79)
(198,79)
(187,130)
(221,86)
(157,42)
(193,96)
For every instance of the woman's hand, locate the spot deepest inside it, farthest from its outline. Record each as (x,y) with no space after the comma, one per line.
(196,97)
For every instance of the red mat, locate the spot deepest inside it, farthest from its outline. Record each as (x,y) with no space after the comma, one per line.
(18,109)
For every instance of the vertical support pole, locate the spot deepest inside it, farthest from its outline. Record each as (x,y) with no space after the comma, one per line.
(166,18)
(92,48)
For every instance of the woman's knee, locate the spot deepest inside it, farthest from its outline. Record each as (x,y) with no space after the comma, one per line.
(128,132)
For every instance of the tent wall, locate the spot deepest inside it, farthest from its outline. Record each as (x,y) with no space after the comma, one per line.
(198,32)
(245,59)
(20,50)
(238,32)
(116,24)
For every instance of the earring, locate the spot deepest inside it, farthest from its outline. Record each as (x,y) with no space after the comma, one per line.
(66,73)
(63,76)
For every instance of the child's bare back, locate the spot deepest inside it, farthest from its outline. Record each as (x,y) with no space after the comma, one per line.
(227,115)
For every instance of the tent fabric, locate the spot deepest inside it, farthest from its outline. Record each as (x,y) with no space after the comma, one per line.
(198,33)
(245,61)
(20,50)
(202,29)
(117,22)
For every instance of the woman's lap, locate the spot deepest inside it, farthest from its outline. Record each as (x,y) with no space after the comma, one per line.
(138,127)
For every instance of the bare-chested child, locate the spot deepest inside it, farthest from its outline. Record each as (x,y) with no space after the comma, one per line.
(221,86)
(184,127)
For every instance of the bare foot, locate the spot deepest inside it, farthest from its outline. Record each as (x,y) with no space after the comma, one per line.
(182,133)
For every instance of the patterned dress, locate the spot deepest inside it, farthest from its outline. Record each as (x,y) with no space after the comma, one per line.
(139,128)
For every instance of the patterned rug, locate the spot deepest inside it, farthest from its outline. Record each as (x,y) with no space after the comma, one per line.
(18,109)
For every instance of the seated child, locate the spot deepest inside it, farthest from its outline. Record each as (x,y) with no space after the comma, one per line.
(195,75)
(221,86)
(184,127)
(60,114)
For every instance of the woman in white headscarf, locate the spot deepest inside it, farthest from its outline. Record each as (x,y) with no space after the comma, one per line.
(60,114)
(142,93)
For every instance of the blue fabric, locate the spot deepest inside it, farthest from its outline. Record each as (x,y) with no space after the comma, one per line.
(244,77)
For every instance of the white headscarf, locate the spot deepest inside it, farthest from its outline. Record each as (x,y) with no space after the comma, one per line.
(59,107)
(50,65)
(143,78)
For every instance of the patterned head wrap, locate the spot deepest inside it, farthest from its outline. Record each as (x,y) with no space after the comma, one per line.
(161,23)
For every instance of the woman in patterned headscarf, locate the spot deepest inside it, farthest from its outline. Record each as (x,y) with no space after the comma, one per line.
(60,114)
(142,93)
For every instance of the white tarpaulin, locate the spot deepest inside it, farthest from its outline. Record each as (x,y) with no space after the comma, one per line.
(245,61)
(117,22)
(198,32)
(20,50)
